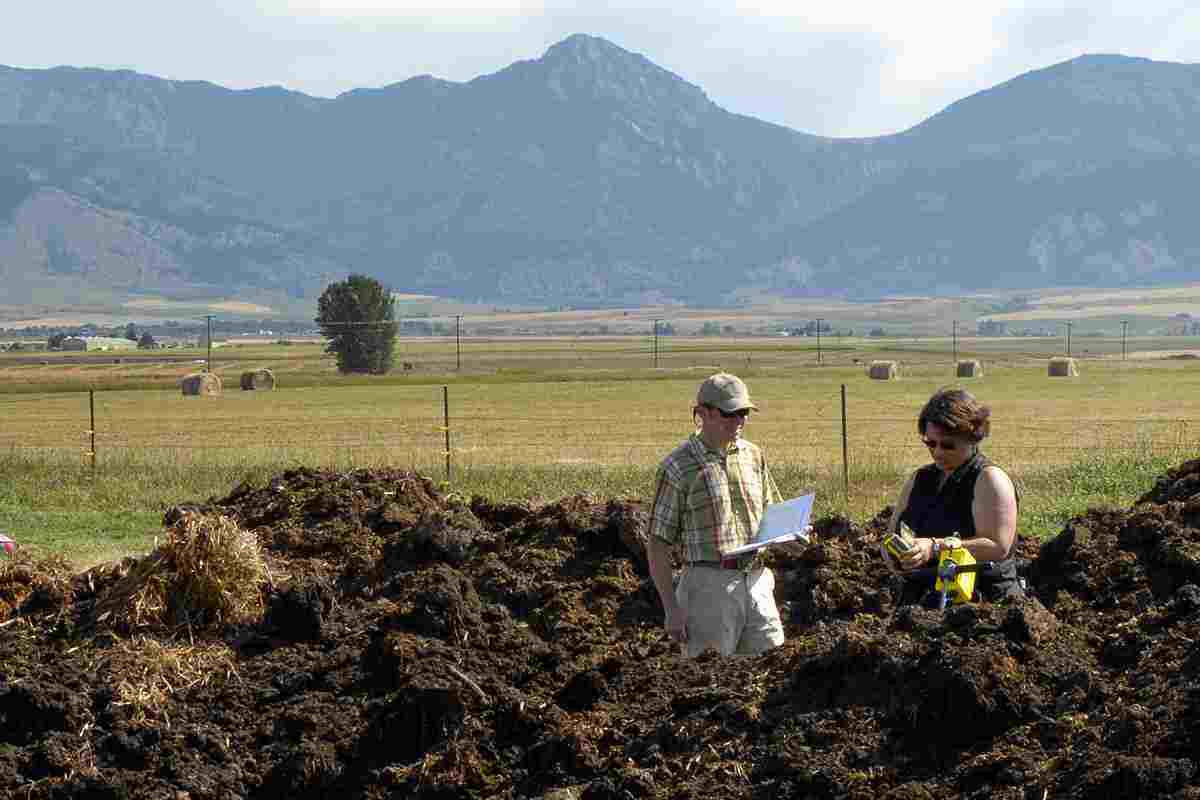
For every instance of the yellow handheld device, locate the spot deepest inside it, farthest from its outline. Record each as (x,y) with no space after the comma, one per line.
(899,542)
(962,586)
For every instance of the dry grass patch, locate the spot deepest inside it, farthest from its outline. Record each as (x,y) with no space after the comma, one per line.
(145,672)
(1140,295)
(207,573)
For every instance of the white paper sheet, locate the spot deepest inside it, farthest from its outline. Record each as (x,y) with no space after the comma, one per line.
(781,522)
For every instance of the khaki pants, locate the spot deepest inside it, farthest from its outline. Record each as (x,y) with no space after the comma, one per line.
(729,610)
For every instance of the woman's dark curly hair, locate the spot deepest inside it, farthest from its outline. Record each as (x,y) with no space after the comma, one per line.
(958,413)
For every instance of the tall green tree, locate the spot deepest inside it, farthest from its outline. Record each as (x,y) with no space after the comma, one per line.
(358,317)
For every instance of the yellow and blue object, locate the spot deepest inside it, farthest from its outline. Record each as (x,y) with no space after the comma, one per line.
(955,586)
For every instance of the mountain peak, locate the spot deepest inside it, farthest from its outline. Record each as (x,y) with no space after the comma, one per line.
(590,68)
(585,46)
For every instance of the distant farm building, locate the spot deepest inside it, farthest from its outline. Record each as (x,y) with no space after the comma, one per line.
(1183,325)
(78,343)
(110,343)
(991,327)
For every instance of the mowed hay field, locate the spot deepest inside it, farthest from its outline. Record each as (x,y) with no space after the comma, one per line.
(520,431)
(507,358)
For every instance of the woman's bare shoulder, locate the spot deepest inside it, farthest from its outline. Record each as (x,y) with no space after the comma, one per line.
(995,479)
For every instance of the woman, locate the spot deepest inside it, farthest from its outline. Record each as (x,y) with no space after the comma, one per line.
(961,494)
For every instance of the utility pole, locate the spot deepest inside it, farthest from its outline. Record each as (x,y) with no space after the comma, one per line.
(656,343)
(1068,340)
(458,341)
(956,342)
(819,321)
(1124,325)
(208,364)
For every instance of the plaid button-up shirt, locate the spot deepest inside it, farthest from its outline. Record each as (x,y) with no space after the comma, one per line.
(707,502)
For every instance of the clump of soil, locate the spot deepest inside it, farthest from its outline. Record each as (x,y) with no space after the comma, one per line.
(409,644)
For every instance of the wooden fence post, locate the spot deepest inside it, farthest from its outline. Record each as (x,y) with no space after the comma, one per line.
(446,420)
(92,428)
(845,447)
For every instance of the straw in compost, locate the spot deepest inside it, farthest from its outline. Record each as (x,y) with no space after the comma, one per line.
(208,572)
(262,379)
(883,370)
(1061,367)
(971,368)
(146,672)
(201,383)
(41,581)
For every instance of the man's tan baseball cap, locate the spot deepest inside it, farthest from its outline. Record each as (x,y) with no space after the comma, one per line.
(726,392)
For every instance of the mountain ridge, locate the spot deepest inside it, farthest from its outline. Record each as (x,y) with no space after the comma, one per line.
(592,175)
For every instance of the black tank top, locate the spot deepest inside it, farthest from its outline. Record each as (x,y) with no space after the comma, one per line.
(946,511)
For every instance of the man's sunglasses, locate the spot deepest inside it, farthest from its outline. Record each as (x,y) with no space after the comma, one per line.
(945,444)
(741,413)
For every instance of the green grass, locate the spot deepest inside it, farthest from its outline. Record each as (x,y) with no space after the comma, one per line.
(83,537)
(524,431)
(55,508)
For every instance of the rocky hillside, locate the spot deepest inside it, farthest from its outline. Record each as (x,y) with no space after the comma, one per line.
(590,175)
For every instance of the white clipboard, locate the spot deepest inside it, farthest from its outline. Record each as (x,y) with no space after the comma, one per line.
(781,522)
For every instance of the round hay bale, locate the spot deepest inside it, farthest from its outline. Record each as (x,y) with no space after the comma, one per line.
(258,379)
(1062,367)
(883,370)
(970,368)
(201,383)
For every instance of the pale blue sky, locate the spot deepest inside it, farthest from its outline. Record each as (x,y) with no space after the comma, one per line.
(840,68)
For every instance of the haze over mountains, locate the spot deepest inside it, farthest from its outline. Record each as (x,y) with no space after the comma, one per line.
(590,176)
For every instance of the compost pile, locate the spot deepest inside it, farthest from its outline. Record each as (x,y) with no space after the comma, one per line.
(392,641)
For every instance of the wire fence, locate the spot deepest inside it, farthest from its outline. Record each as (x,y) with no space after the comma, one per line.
(454,428)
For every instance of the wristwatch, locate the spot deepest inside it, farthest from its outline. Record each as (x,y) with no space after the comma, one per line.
(937,548)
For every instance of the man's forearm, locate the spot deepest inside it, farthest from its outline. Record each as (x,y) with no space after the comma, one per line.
(658,554)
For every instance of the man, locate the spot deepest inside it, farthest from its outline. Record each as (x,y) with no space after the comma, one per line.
(711,493)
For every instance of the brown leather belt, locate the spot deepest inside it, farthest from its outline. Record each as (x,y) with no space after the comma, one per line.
(728,563)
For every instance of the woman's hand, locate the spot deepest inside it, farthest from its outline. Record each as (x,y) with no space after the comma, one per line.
(921,552)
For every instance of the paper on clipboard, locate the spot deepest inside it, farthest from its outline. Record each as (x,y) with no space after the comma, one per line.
(781,522)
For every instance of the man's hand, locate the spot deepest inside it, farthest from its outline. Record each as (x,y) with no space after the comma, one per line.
(676,623)
(796,548)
